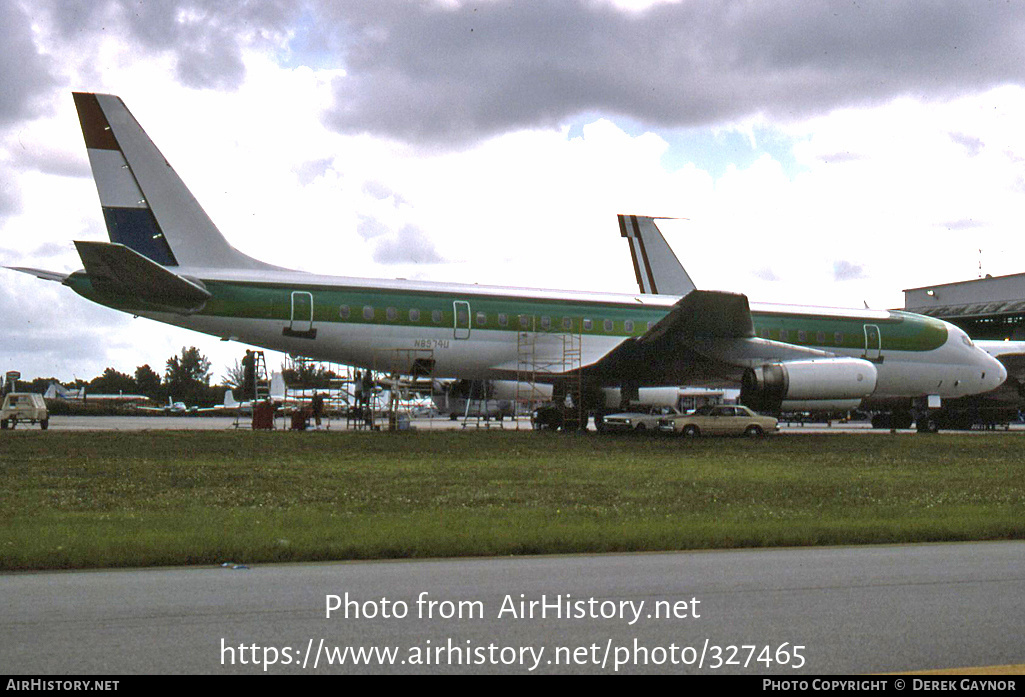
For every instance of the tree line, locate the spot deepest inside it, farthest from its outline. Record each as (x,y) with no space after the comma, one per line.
(186,379)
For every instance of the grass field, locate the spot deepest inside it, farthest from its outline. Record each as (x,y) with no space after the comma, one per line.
(103,499)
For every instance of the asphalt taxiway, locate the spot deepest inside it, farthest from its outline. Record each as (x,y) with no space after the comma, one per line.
(785,612)
(204,423)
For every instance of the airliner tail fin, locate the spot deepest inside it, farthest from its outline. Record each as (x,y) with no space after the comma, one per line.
(657,269)
(146,206)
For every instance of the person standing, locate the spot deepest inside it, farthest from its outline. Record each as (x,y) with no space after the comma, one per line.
(317,406)
(249,376)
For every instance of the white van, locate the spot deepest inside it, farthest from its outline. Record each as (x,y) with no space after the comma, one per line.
(24,406)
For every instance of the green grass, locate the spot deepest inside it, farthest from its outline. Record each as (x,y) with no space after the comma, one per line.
(77,500)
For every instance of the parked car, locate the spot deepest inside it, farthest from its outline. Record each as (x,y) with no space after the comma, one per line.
(23,406)
(642,418)
(720,420)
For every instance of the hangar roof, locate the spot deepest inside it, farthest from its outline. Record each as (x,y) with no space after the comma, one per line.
(983,297)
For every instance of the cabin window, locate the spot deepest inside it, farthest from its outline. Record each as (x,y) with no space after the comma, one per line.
(414,315)
(524,322)
(838,338)
(546,322)
(503,319)
(628,326)
(436,316)
(802,336)
(608,325)
(392,314)
(783,335)
(368,312)
(482,319)
(820,337)
(587,325)
(344,312)
(567,323)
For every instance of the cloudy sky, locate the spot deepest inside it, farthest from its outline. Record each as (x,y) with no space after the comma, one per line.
(820,153)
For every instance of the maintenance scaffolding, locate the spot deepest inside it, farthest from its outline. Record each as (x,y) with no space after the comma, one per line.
(398,385)
(383,396)
(406,375)
(544,357)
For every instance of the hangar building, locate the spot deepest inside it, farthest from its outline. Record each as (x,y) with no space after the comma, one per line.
(986,308)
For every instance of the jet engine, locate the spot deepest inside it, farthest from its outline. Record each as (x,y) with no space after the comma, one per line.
(821,384)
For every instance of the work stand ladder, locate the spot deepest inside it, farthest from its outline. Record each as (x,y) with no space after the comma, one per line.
(259,391)
(544,357)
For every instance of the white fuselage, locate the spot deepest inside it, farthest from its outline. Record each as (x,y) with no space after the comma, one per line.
(953,369)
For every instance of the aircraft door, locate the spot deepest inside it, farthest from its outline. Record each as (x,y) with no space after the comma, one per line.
(461,319)
(301,322)
(873,344)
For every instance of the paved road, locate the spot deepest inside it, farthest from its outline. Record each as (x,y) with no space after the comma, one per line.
(853,610)
(204,423)
(140,423)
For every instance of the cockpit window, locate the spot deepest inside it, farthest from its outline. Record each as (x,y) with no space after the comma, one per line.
(967,341)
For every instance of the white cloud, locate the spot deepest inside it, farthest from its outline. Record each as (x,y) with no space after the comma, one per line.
(904,192)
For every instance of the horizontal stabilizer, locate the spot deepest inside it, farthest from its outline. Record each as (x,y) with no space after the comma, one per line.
(40,273)
(116,270)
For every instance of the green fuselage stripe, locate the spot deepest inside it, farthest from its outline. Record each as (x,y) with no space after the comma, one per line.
(392,307)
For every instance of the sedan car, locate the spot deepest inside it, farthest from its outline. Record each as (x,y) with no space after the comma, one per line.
(642,418)
(720,420)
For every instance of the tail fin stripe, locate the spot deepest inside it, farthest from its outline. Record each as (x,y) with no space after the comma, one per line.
(638,252)
(633,252)
(146,205)
(95,128)
(114,181)
(652,288)
(137,229)
(128,217)
(655,265)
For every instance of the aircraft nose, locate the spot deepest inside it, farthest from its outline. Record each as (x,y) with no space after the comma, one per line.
(1001,372)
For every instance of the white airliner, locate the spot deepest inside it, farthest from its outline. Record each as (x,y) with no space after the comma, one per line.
(167,261)
(658,270)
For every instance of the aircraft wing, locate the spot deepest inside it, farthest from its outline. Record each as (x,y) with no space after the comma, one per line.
(1010,353)
(705,313)
(1015,364)
(707,338)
